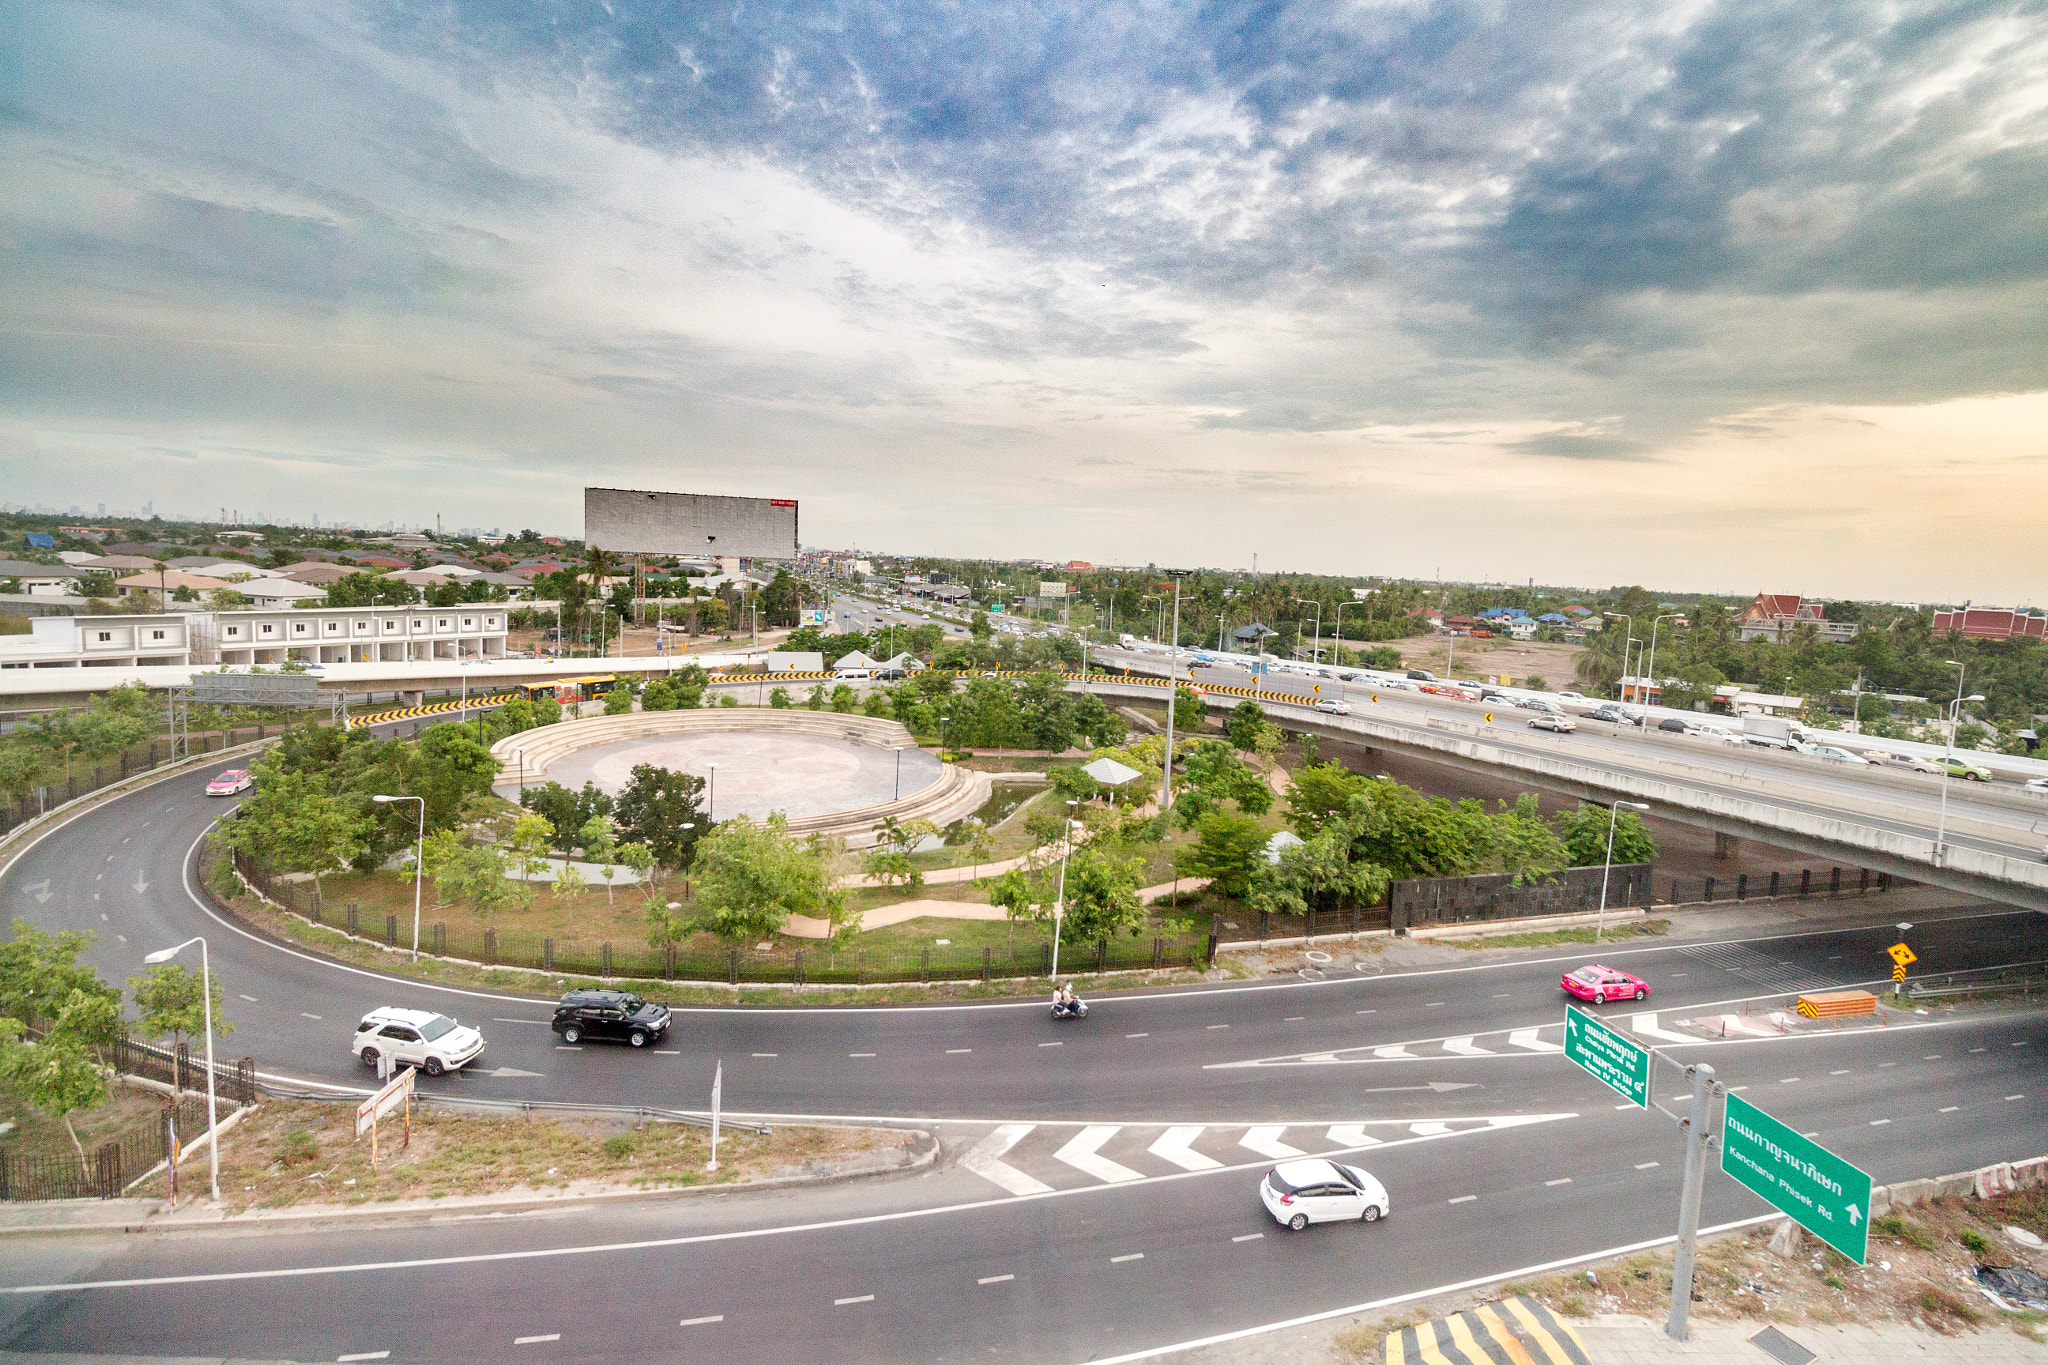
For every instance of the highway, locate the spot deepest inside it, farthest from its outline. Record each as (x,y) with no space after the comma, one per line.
(1098,1186)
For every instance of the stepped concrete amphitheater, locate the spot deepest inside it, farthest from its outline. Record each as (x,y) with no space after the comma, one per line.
(827,773)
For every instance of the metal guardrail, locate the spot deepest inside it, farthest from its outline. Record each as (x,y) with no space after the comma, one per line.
(565,1107)
(2025,977)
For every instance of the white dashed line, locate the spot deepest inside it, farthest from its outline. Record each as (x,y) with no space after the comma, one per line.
(2015,1097)
(956,1051)
(1214,1027)
(668,1052)
(535,1341)
(1787,1080)
(566,1047)
(1137,1035)
(1877,1123)
(857,1298)
(764,1054)
(1646,1165)
(1976,1049)
(304,1015)
(1566,1181)
(1948,1109)
(1292,1019)
(1434,1004)
(1885,1064)
(518,1021)
(1464,1199)
(250,998)
(1250,1237)
(365,1355)
(1366,1011)
(1052,1044)
(1631,1105)
(860,1054)
(1843,1072)
(1932,1057)
(994,1279)
(1503,995)
(1132,1256)
(699,1322)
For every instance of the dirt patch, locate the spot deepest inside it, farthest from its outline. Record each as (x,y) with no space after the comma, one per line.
(294,1154)
(126,1110)
(1551,938)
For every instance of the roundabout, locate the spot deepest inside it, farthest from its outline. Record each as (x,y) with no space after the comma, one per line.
(828,774)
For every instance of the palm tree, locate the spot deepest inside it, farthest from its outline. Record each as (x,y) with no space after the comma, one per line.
(598,566)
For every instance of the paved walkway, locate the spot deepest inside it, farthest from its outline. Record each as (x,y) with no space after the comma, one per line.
(1618,1340)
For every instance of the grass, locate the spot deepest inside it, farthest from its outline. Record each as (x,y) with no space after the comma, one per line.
(289,1153)
(125,1109)
(1551,938)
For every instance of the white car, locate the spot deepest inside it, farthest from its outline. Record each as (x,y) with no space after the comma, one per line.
(1573,696)
(1830,752)
(1331,706)
(1298,1193)
(1559,725)
(1911,762)
(1726,736)
(432,1042)
(1536,704)
(2037,784)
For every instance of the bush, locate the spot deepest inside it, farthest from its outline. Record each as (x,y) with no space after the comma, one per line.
(1975,1242)
(619,1146)
(297,1149)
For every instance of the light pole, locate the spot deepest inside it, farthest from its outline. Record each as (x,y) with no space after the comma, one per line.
(206,997)
(1628,644)
(520,754)
(711,794)
(899,770)
(419,860)
(1337,650)
(1319,624)
(1955,719)
(1059,904)
(1652,670)
(1172,689)
(1613,819)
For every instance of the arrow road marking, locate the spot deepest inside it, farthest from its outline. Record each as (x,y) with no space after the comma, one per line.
(40,890)
(1080,1153)
(1266,1142)
(140,886)
(1463,1047)
(513,1073)
(985,1160)
(1526,1038)
(1395,1050)
(1176,1146)
(1352,1135)
(1646,1024)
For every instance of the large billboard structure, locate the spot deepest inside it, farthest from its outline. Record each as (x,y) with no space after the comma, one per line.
(634,521)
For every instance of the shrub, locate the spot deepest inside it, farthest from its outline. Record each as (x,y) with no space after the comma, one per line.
(618,1146)
(297,1149)
(1974,1241)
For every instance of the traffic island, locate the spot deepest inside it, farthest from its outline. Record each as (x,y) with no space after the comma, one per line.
(302,1158)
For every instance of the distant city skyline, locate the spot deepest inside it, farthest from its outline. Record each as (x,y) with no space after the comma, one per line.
(1629,292)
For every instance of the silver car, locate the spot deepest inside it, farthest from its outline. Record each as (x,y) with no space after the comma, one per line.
(1298,1193)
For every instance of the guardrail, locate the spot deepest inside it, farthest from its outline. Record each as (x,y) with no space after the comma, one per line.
(2025,977)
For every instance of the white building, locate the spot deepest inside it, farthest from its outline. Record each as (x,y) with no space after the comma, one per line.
(343,635)
(98,642)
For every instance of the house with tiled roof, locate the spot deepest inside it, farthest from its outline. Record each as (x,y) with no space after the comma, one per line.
(1775,615)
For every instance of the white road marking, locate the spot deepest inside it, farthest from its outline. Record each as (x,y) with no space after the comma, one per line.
(1134,1256)
(1843,1072)
(995,1279)
(1787,1080)
(1041,1045)
(1429,1129)
(1434,1004)
(567,1047)
(1214,1027)
(2015,1097)
(1632,1105)
(1250,1237)
(1266,1142)
(956,1051)
(1976,1049)
(857,1298)
(532,1341)
(1526,1038)
(1292,1019)
(1463,1199)
(1646,1165)
(1932,1057)
(764,1054)
(1874,1123)
(1365,1011)
(1394,1050)
(985,1160)
(1950,1109)
(860,1054)
(519,1021)
(1080,1153)
(1352,1135)
(699,1322)
(1646,1024)
(668,1052)
(250,998)
(1175,1145)
(1565,1181)
(1503,995)
(1137,1035)
(304,1015)
(1463,1047)
(365,1355)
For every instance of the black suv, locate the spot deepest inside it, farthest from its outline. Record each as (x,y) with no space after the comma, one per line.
(611,1016)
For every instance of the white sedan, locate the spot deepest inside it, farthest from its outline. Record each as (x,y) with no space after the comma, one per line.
(1298,1193)
(1562,725)
(1829,751)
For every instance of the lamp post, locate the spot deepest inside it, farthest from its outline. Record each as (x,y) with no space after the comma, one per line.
(206,998)
(1628,643)
(1955,719)
(1337,650)
(1652,670)
(1059,904)
(899,770)
(711,794)
(419,863)
(1172,688)
(1319,623)
(1613,819)
(520,754)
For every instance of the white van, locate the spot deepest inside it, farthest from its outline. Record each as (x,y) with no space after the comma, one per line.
(853,675)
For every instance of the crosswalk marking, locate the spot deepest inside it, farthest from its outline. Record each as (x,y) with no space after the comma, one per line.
(1081,1154)
(1463,1047)
(1174,1146)
(1266,1142)
(986,1160)
(1352,1135)
(1526,1038)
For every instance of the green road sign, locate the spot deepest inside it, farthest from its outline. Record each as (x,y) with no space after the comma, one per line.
(1823,1193)
(1613,1058)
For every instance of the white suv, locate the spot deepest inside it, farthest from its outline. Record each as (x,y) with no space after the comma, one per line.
(432,1042)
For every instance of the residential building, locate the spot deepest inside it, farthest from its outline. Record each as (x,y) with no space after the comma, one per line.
(1775,615)
(42,580)
(98,642)
(1991,623)
(339,635)
(263,590)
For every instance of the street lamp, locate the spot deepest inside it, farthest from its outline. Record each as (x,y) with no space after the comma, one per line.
(1628,643)
(206,997)
(711,794)
(1652,670)
(1613,819)
(520,754)
(1059,904)
(1172,688)
(1955,719)
(899,748)
(1319,624)
(1337,654)
(419,861)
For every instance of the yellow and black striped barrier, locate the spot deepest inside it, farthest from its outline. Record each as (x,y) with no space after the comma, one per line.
(432,708)
(1513,1329)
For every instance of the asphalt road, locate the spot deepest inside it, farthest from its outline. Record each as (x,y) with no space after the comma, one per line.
(1499,1154)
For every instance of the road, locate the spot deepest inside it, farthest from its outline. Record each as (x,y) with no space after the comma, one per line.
(1077,1217)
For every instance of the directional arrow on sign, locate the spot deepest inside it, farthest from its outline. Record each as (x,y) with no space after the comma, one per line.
(40,890)
(1855,1215)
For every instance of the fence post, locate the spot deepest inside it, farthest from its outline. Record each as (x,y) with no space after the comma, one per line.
(605,957)
(391,931)
(440,938)
(547,954)
(1158,951)
(107,1170)
(1308,932)
(352,907)
(1215,937)
(861,976)
(181,1068)
(924,973)
(245,1079)
(668,965)
(1742,887)
(491,944)
(1805,882)
(732,967)
(798,975)
(984,961)
(1265,924)
(1101,955)
(1707,891)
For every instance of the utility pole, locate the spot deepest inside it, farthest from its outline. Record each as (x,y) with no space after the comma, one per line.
(1695,1128)
(1172,688)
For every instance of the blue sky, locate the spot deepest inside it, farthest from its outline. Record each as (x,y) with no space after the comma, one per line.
(1728,297)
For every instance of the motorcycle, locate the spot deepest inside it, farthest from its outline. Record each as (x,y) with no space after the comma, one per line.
(1077,1010)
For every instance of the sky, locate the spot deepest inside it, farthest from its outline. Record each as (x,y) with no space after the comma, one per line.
(1715,297)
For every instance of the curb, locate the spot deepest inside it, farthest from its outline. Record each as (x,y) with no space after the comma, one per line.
(926,1153)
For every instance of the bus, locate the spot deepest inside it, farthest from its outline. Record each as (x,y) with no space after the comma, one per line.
(571,689)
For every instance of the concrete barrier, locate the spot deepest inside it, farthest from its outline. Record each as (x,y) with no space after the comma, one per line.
(1986,1182)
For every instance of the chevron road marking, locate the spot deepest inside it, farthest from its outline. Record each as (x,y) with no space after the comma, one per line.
(1396,1050)
(1463,1047)
(1526,1038)
(1352,1135)
(1174,1146)
(1080,1153)
(1429,1129)
(1735,1023)
(1646,1024)
(1266,1142)
(986,1161)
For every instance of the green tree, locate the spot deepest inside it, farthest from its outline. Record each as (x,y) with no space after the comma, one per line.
(778,697)
(1244,723)
(619,701)
(58,1073)
(1520,844)
(169,1003)
(843,700)
(1319,874)
(601,846)
(751,877)
(1583,831)
(1074,783)
(531,840)
(1102,894)
(39,970)
(290,824)
(1227,850)
(639,860)
(1319,794)
(662,808)
(568,881)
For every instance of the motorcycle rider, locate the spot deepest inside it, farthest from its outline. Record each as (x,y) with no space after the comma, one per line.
(1064,1001)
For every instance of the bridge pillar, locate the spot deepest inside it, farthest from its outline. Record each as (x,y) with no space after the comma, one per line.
(1725,846)
(416,698)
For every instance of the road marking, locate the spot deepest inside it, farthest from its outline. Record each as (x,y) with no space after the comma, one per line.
(1843,1072)
(533,1341)
(764,1054)
(1365,1011)
(1884,1064)
(956,1051)
(1292,1019)
(1463,1047)
(857,1298)
(995,1279)
(860,1054)
(1526,1039)
(1787,1080)
(1176,1146)
(1646,1165)
(1932,1057)
(2015,1097)
(1133,1256)
(1646,1024)
(1080,1153)
(1434,1004)
(1950,1109)
(985,1160)
(1352,1135)
(1464,1199)
(668,1052)
(1394,1050)
(1250,1237)
(365,1355)
(1041,1045)
(250,998)
(1214,1027)
(304,1015)
(1266,1142)
(1676,975)
(699,1322)
(519,1021)
(2021,1043)
(1429,1129)
(567,1047)
(1976,1049)
(1631,1104)
(1875,1123)
(1137,1035)
(1565,1181)
(1503,995)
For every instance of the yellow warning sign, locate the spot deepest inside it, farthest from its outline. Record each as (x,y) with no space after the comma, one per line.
(1899,972)
(1901,954)
(1489,716)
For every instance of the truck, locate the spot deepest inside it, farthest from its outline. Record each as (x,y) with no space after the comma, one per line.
(1772,732)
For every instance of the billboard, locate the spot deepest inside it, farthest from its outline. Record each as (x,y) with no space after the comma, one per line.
(635,521)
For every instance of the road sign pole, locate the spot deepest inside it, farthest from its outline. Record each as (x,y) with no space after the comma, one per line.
(1689,1201)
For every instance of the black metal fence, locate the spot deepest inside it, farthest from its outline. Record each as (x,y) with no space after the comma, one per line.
(83,778)
(1425,901)
(1805,884)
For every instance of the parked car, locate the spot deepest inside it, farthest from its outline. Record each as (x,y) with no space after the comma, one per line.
(1829,751)
(1331,706)
(1956,766)
(1910,762)
(1601,984)
(1572,696)
(1298,1193)
(1560,725)
(420,1038)
(230,783)
(610,1016)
